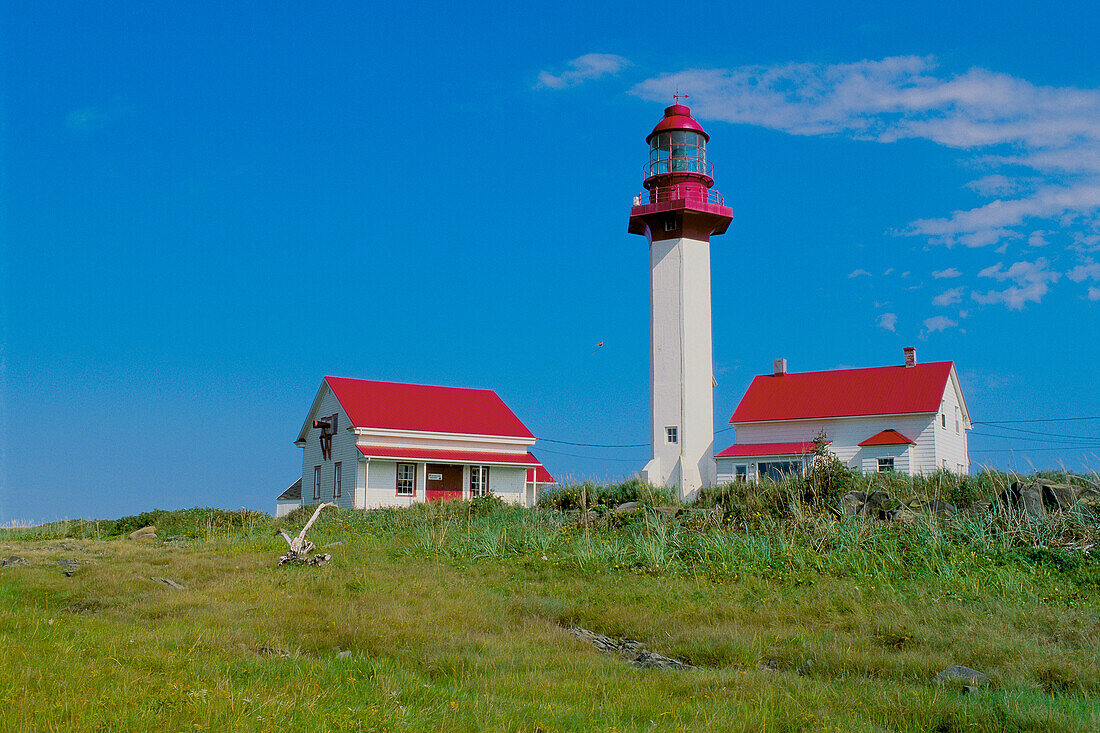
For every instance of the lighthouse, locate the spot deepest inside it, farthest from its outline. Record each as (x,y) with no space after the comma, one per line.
(678,213)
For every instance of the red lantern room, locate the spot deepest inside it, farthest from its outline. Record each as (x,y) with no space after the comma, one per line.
(678,200)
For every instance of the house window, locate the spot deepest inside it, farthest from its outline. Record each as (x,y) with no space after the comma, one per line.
(316,482)
(943,420)
(776,470)
(406,479)
(479,480)
(886,465)
(740,473)
(956,421)
(337,479)
(672,434)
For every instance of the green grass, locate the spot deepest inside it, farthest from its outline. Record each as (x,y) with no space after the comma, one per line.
(454,614)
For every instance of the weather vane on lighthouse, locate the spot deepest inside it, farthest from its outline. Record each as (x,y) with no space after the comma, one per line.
(678,212)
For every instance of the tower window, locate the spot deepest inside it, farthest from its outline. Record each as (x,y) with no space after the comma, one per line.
(672,434)
(670,223)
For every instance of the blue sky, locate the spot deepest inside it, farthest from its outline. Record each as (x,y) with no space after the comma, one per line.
(206,208)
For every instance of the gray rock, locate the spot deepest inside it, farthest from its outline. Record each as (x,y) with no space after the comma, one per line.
(169,582)
(668,512)
(878,505)
(904,515)
(176,538)
(1031,498)
(959,673)
(1059,496)
(145,533)
(940,508)
(68,565)
(346,654)
(980,508)
(12,561)
(806,667)
(632,651)
(626,507)
(853,502)
(970,690)
(770,666)
(1089,498)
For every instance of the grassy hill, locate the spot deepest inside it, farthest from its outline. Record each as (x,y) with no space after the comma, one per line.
(455,617)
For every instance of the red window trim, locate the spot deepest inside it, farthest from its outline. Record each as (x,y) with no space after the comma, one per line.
(397,478)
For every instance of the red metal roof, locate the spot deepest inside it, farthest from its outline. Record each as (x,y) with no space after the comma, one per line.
(888,437)
(767,449)
(397,406)
(540,475)
(890,390)
(448,456)
(678,117)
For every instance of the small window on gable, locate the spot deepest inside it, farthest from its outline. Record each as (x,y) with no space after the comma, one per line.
(316,482)
(337,480)
(943,419)
(886,465)
(672,434)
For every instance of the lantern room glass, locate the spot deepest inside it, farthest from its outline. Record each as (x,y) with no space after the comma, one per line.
(677,151)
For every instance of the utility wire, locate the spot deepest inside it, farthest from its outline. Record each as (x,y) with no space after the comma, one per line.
(1095,442)
(1038,419)
(608,445)
(1040,432)
(1033,450)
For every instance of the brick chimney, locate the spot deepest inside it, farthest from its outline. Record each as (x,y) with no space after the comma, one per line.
(780,367)
(910,356)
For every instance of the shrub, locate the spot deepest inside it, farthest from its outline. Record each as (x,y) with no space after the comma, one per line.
(592,496)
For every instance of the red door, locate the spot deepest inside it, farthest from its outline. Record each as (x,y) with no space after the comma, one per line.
(444,482)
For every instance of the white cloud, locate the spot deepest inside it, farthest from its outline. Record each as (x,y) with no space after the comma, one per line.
(1094,293)
(1031,280)
(1088,271)
(938,323)
(948,297)
(859,273)
(888,271)
(888,321)
(949,272)
(995,185)
(1038,239)
(582,69)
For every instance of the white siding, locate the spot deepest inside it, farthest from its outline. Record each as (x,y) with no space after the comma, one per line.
(382,485)
(869,457)
(508,483)
(286,506)
(343,451)
(847,433)
(951,439)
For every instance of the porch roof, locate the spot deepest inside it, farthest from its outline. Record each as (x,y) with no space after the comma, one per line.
(449,456)
(753,450)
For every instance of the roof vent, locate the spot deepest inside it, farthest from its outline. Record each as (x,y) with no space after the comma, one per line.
(910,356)
(780,367)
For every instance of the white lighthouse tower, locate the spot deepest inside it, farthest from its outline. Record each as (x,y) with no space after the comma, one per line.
(678,213)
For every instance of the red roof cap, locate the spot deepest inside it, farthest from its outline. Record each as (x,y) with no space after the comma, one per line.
(888,437)
(447,456)
(678,117)
(748,450)
(889,390)
(397,406)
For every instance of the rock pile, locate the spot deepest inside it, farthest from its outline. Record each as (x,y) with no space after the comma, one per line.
(632,651)
(1041,497)
(1036,500)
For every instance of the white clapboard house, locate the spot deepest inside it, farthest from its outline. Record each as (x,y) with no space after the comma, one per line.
(910,418)
(368,444)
